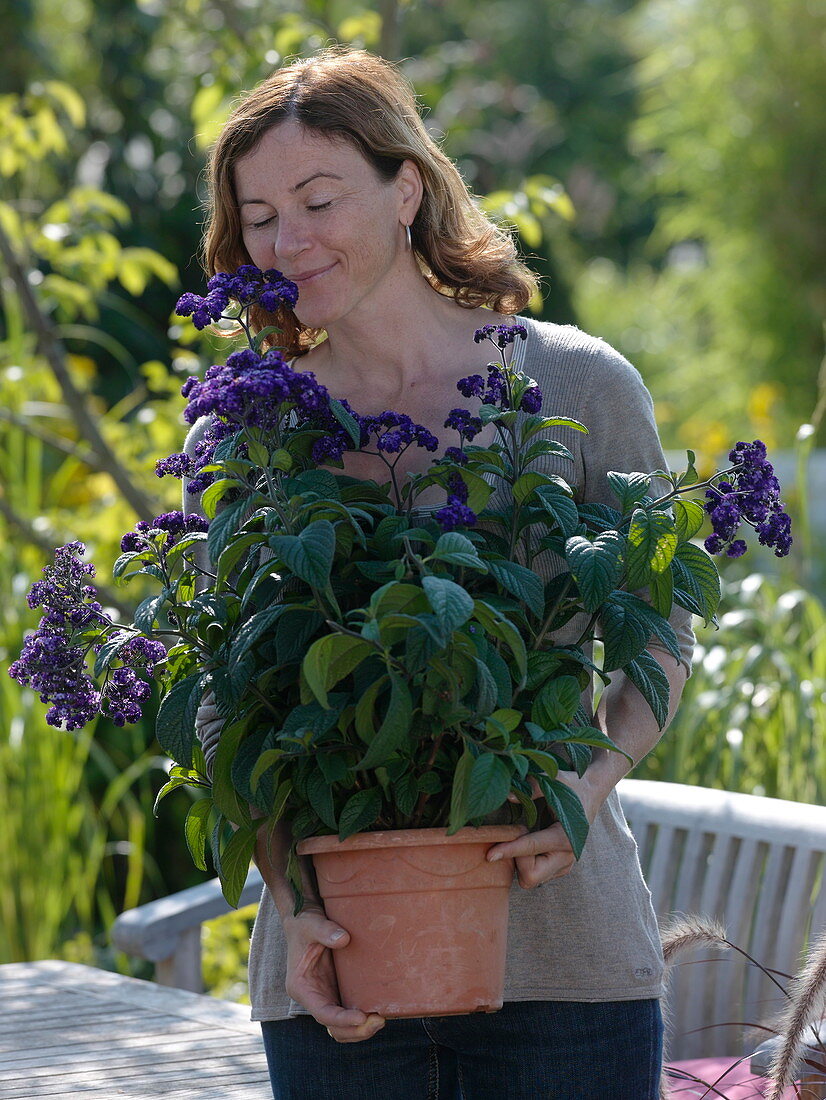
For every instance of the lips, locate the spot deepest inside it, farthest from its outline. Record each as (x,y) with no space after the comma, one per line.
(307,276)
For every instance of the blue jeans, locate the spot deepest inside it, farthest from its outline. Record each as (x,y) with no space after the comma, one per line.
(529,1050)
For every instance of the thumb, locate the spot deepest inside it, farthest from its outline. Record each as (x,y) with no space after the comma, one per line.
(332,935)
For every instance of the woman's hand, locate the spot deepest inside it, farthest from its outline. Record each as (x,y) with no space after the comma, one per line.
(311,977)
(546,854)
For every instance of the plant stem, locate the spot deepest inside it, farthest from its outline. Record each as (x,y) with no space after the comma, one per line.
(551,614)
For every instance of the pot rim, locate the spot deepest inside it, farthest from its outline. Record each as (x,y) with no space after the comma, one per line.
(411,838)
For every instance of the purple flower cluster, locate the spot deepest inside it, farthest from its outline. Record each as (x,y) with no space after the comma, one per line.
(52,662)
(252,390)
(174,524)
(395,432)
(501,335)
(246,286)
(456,512)
(494,390)
(750,495)
(125,690)
(178,465)
(464,422)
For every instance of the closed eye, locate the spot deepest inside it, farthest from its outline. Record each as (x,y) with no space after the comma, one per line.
(266,221)
(320,206)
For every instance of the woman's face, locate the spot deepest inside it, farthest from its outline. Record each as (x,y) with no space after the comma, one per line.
(317,211)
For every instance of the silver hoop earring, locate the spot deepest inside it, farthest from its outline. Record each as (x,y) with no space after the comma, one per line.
(409,238)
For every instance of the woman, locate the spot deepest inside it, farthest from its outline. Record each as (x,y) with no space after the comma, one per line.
(326,172)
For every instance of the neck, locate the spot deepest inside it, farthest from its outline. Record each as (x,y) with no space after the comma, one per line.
(408,336)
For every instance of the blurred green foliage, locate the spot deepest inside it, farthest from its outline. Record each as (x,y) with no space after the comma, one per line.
(662,164)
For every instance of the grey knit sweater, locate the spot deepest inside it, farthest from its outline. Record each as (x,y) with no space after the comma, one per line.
(591,935)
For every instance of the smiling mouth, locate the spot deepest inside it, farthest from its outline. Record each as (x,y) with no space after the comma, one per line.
(302,280)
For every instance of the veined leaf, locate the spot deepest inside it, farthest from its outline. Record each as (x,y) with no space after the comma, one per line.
(488,785)
(395,729)
(309,554)
(196,831)
(647,674)
(460,793)
(360,811)
(451,604)
(629,488)
(567,809)
(519,581)
(332,658)
(321,797)
(556,702)
(689,517)
(235,863)
(652,540)
(175,723)
(596,566)
(561,506)
(704,578)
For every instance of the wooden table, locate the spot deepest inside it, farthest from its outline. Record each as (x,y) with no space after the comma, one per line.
(73,1032)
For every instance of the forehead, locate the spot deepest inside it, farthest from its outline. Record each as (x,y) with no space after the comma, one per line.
(289,153)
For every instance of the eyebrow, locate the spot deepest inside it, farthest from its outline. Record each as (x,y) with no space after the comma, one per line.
(293,190)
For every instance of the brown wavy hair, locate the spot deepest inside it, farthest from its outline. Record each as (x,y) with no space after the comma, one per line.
(353,95)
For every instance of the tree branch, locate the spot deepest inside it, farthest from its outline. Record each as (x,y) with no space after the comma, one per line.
(50,347)
(52,439)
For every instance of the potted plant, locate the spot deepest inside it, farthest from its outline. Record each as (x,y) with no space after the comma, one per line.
(383,669)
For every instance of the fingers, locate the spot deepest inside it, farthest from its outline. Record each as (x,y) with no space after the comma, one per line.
(367,1030)
(317,926)
(539,856)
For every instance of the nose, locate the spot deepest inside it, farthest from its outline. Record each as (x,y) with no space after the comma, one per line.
(290,238)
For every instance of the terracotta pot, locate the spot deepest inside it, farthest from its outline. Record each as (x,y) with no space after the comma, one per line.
(427,917)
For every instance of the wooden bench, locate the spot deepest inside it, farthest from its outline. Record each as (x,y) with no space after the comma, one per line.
(756,864)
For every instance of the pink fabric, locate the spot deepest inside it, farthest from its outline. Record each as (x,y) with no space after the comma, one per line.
(731,1079)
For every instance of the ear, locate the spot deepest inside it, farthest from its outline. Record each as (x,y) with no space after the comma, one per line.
(410,189)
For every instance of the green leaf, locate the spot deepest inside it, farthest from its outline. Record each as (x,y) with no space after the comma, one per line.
(321,797)
(488,785)
(347,421)
(451,604)
(525,485)
(232,553)
(363,717)
(394,730)
(661,592)
(258,453)
(235,863)
(214,493)
(405,794)
(486,688)
(196,831)
(224,795)
(629,488)
(502,628)
(360,811)
(171,785)
(647,674)
(689,517)
(148,611)
(543,447)
(627,625)
(701,573)
(460,793)
(560,506)
(309,554)
(589,735)
(652,541)
(175,723)
(457,549)
(596,566)
(109,650)
(332,658)
(567,809)
(556,702)
(247,635)
(534,424)
(519,581)
(224,526)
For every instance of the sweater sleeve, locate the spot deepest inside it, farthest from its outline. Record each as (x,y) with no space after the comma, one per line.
(583,377)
